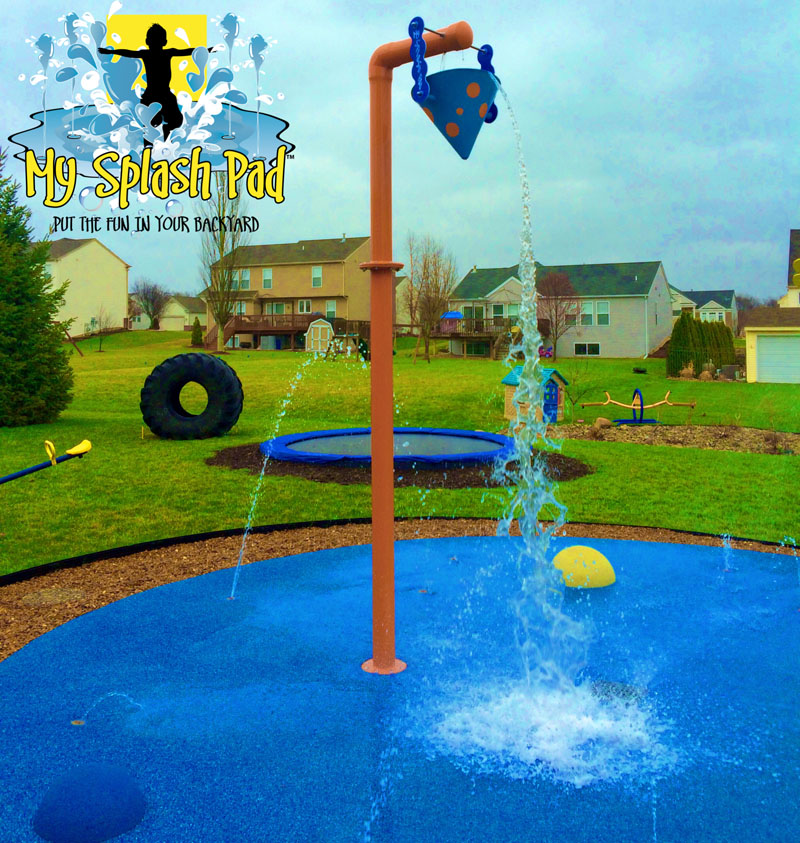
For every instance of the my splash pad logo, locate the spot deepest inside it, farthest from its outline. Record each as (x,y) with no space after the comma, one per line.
(151,109)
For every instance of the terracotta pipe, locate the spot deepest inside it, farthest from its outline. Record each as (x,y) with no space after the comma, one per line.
(382,268)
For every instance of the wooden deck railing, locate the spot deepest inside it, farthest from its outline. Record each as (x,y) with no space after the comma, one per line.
(475,327)
(283,324)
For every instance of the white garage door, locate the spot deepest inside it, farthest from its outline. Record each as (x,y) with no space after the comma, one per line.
(778,359)
(171,323)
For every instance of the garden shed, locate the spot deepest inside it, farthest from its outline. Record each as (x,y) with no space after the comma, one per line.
(319,335)
(554,384)
(772,341)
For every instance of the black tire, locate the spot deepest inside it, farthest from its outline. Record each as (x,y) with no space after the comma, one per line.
(160,398)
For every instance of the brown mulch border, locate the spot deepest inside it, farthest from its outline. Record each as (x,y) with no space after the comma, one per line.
(35,605)
(557,467)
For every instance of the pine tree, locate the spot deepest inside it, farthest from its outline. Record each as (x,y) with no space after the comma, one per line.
(729,353)
(197,332)
(712,343)
(679,346)
(35,375)
(696,344)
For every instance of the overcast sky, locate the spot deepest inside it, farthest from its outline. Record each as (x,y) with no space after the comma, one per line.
(652,131)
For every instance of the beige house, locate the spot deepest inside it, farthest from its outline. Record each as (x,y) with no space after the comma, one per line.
(98,284)
(791,298)
(293,283)
(624,309)
(180,313)
(706,305)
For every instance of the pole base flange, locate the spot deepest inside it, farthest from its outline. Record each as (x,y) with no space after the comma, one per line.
(397,667)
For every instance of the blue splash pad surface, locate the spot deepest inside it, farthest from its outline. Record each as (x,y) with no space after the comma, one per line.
(252,720)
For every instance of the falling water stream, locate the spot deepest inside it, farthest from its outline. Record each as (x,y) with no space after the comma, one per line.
(550,722)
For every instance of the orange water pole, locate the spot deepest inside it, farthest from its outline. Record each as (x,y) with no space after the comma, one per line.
(382,267)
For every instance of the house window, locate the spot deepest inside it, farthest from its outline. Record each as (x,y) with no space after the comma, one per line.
(304,306)
(497,310)
(720,316)
(603,314)
(591,349)
(233,342)
(240,308)
(279,308)
(330,309)
(587,313)
(244,279)
(676,312)
(266,279)
(513,313)
(477,349)
(316,276)
(234,279)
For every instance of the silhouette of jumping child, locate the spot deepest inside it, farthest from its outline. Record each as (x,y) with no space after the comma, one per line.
(158,74)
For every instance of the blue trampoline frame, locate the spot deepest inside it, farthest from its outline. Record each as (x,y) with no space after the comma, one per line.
(278,448)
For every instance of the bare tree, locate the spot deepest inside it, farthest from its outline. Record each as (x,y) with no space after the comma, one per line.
(745,305)
(558,305)
(220,242)
(435,278)
(582,381)
(104,324)
(411,290)
(152,298)
(134,309)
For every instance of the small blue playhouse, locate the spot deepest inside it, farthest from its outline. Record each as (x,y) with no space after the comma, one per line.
(554,384)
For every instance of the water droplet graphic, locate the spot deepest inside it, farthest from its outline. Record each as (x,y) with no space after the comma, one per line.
(183,65)
(90,80)
(115,37)
(89,200)
(21,77)
(281,96)
(236,68)
(174,207)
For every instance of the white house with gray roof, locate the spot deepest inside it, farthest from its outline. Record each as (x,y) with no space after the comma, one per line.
(706,305)
(625,308)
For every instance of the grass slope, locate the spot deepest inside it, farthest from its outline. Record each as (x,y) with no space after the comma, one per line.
(135,487)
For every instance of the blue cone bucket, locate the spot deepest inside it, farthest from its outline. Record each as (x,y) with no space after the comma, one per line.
(458,103)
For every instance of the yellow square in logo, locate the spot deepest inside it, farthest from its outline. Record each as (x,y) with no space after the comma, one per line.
(129,32)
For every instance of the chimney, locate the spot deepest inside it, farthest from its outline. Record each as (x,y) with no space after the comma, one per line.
(344,237)
(475,267)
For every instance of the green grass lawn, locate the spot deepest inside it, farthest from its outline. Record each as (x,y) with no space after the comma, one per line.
(135,487)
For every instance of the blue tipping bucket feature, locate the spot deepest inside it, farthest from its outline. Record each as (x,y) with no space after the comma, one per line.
(458,101)
(458,104)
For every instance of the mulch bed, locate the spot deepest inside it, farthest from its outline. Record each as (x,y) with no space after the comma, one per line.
(751,440)
(557,467)
(35,606)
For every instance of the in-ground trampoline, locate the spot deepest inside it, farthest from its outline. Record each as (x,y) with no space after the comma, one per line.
(419,447)
(179,715)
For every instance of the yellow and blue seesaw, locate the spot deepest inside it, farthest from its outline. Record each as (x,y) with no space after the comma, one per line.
(78,451)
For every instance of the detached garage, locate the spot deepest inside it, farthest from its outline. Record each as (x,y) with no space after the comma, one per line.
(772,340)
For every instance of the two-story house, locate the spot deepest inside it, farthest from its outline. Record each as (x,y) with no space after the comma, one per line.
(706,305)
(98,284)
(289,283)
(624,308)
